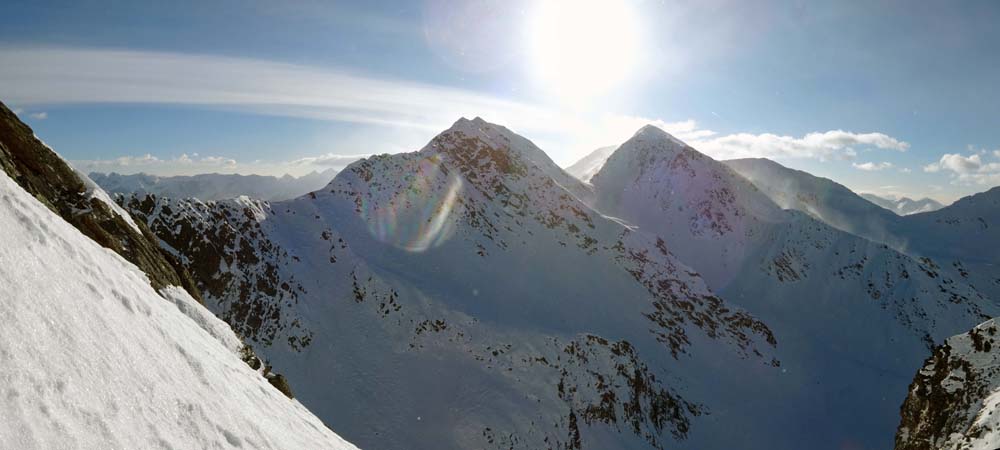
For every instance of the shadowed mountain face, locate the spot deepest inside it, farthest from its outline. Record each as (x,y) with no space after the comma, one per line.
(953,237)
(214,186)
(470,285)
(821,198)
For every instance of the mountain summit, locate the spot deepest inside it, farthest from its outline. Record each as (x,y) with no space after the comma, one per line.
(807,280)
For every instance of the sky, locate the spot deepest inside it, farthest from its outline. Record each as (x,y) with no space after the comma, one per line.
(889,97)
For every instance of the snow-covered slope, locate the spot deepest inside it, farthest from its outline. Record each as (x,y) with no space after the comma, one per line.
(961,237)
(953,237)
(470,287)
(93,357)
(840,303)
(821,198)
(589,165)
(954,401)
(904,206)
(214,186)
(468,297)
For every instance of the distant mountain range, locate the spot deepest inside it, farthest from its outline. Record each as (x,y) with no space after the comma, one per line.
(214,186)
(904,206)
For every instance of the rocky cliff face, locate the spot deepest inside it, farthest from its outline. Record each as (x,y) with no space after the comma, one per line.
(46,176)
(235,264)
(953,400)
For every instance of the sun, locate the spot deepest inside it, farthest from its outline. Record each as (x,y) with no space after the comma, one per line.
(580,49)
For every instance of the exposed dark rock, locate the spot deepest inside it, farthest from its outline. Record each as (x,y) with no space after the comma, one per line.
(948,396)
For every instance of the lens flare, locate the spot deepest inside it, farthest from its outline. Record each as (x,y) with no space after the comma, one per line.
(419,216)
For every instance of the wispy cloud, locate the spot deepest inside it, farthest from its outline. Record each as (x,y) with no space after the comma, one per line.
(39,115)
(834,144)
(194,163)
(327,160)
(872,166)
(38,76)
(153,164)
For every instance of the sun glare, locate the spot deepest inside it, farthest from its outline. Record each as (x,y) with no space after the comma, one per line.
(581,49)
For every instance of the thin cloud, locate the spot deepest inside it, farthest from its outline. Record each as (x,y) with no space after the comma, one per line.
(872,166)
(39,115)
(834,144)
(192,164)
(328,160)
(37,76)
(152,164)
(40,76)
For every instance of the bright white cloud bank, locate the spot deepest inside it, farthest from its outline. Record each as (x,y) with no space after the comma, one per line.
(35,77)
(972,169)
(835,144)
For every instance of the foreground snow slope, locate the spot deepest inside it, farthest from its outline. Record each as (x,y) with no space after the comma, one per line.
(37,169)
(92,357)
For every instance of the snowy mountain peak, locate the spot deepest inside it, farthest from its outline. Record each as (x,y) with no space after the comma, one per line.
(491,135)
(657,138)
(465,122)
(481,149)
(585,168)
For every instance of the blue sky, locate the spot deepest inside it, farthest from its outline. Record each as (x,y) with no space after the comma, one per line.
(890,97)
